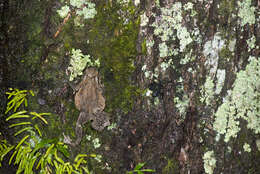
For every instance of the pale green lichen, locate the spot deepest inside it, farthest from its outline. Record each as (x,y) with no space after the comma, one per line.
(169,26)
(188,6)
(209,162)
(144,20)
(96,143)
(207,91)
(251,43)
(82,8)
(112,126)
(243,102)
(164,52)
(77,3)
(246,12)
(63,12)
(88,11)
(187,58)
(182,102)
(246,147)
(79,62)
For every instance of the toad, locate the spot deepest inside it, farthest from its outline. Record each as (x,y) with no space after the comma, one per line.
(91,103)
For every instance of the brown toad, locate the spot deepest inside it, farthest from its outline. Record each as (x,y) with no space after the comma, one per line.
(91,103)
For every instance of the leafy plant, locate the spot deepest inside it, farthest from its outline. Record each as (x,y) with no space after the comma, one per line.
(4,149)
(33,153)
(19,97)
(138,169)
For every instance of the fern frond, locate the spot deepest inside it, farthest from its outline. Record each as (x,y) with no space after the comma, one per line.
(18,115)
(38,130)
(49,150)
(36,115)
(19,124)
(22,130)
(21,142)
(10,161)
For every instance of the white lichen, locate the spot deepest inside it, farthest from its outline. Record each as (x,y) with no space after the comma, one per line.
(207,91)
(247,147)
(144,20)
(211,52)
(251,43)
(221,74)
(209,162)
(246,12)
(232,45)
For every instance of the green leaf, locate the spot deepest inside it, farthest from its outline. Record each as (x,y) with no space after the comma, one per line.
(25,102)
(32,162)
(79,162)
(39,116)
(9,107)
(31,92)
(48,150)
(86,170)
(22,130)
(21,142)
(38,130)
(18,155)
(18,115)
(49,159)
(80,156)
(19,124)
(10,161)
(148,170)
(19,103)
(40,162)
(63,150)
(3,153)
(58,158)
(139,166)
(42,144)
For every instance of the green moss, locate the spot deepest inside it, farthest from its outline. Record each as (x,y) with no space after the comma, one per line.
(225,53)
(226,8)
(171,167)
(113,41)
(144,49)
(225,56)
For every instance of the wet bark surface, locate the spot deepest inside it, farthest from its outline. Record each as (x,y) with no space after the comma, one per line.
(153,130)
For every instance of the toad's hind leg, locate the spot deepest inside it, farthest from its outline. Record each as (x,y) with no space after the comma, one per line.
(83,118)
